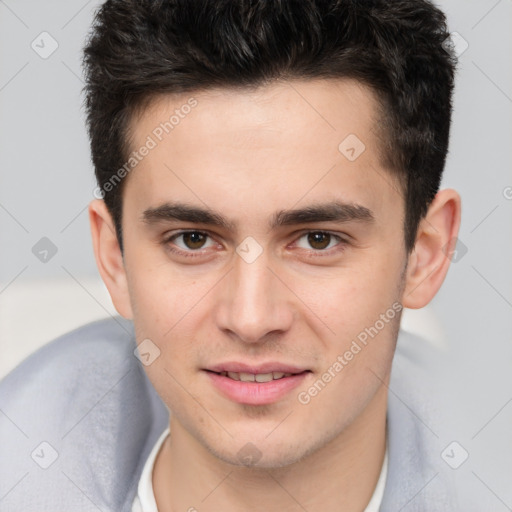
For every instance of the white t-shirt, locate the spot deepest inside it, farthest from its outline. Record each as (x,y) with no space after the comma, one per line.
(145,499)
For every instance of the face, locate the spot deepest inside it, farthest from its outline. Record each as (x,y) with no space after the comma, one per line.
(259,240)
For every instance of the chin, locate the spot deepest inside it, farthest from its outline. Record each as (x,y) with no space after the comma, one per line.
(251,451)
(254,458)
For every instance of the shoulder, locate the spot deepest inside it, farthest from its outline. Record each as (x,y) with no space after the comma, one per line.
(78,364)
(79,415)
(421,434)
(412,421)
(89,343)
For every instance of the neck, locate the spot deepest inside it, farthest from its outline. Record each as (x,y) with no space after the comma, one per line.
(341,475)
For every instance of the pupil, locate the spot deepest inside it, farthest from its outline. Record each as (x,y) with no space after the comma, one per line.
(194,240)
(319,240)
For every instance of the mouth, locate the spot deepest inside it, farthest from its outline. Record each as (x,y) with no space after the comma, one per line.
(256,386)
(255,377)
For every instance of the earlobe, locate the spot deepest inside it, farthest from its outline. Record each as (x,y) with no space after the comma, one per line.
(109,258)
(430,259)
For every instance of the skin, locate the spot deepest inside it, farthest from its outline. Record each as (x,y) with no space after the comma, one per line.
(246,156)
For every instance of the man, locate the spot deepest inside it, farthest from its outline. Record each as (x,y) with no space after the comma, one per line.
(268,203)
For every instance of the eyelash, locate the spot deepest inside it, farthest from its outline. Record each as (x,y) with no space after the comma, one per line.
(340,247)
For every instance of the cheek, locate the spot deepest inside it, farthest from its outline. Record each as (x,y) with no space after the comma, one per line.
(168,308)
(153,304)
(160,295)
(351,300)
(163,316)
(361,309)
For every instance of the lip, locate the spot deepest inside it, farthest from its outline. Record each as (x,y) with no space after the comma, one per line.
(257,393)
(271,366)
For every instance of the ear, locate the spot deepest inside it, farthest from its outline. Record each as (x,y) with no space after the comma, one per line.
(430,259)
(109,258)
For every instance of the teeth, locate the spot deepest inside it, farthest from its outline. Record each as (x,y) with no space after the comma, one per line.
(251,377)
(264,377)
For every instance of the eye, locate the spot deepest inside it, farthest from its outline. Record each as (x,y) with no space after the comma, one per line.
(190,241)
(319,240)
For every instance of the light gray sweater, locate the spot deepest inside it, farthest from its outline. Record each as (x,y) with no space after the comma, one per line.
(79,417)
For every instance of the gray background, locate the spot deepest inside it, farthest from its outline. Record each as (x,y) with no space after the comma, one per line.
(47,182)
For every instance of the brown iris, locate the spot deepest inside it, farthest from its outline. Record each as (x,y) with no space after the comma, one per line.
(319,240)
(194,239)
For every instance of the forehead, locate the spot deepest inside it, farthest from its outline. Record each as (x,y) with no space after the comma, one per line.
(282,143)
(306,109)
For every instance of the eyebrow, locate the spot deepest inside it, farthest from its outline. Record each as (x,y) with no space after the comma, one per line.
(334,211)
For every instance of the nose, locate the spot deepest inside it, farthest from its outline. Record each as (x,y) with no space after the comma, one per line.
(254,304)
